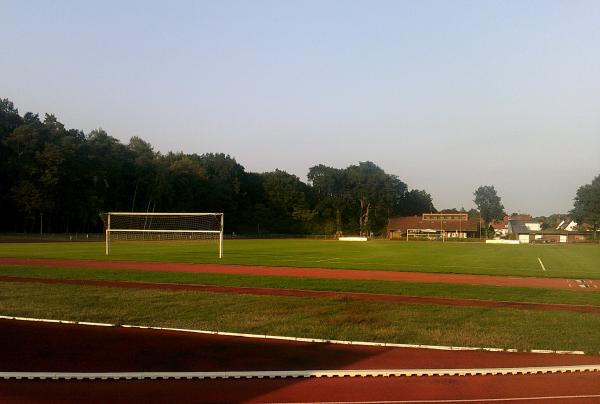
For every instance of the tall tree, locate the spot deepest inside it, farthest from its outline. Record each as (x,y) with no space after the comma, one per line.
(586,208)
(417,202)
(9,121)
(376,192)
(9,118)
(145,173)
(70,177)
(286,197)
(489,204)
(330,188)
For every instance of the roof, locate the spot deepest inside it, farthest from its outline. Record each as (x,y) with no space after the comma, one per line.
(502,224)
(403,223)
(564,224)
(565,232)
(520,226)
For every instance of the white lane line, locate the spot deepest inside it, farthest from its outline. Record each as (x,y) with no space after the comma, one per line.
(296,339)
(270,374)
(458,400)
(542,264)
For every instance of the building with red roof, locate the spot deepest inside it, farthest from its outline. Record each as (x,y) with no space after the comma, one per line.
(433,225)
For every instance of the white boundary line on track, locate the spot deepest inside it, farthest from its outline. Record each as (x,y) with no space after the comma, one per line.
(457,400)
(296,339)
(278,374)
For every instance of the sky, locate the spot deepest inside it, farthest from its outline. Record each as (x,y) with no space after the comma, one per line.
(447,95)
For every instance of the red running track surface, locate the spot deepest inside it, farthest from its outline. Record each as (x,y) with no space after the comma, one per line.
(323,273)
(567,388)
(37,346)
(44,347)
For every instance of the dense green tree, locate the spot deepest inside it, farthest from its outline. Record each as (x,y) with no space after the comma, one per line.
(474,214)
(223,189)
(417,202)
(489,204)
(9,118)
(70,177)
(376,194)
(285,195)
(145,166)
(330,186)
(9,121)
(586,208)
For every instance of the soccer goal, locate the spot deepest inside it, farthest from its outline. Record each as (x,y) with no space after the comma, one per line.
(423,234)
(140,226)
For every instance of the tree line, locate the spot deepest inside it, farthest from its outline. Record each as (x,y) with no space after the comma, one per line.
(586,208)
(64,178)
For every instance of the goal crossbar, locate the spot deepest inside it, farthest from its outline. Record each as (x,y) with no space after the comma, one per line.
(164,231)
(164,213)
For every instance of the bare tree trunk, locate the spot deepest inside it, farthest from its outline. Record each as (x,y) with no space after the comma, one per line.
(363,218)
(134,195)
(366,219)
(338,222)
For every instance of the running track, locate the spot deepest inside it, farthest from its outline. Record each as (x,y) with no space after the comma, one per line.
(42,346)
(323,273)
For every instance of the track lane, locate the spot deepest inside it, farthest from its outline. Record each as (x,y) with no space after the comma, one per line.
(322,273)
(41,346)
(563,388)
(29,346)
(308,294)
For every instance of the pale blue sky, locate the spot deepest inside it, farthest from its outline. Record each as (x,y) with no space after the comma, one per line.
(448,95)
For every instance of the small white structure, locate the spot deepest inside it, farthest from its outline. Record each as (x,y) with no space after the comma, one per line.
(352,239)
(533,226)
(502,241)
(524,238)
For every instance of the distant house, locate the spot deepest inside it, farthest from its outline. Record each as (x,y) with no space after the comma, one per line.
(432,226)
(567,225)
(501,226)
(522,230)
(531,232)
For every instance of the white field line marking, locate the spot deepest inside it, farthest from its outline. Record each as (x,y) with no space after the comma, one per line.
(299,373)
(542,264)
(458,400)
(296,339)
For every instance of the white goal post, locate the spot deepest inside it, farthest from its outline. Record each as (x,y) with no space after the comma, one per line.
(138,226)
(428,234)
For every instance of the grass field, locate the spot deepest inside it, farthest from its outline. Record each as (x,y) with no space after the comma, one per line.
(460,291)
(316,318)
(321,317)
(572,261)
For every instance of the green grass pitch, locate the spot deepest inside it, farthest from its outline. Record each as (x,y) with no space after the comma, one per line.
(321,318)
(572,261)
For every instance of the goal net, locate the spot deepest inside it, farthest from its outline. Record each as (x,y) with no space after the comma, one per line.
(423,234)
(134,226)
